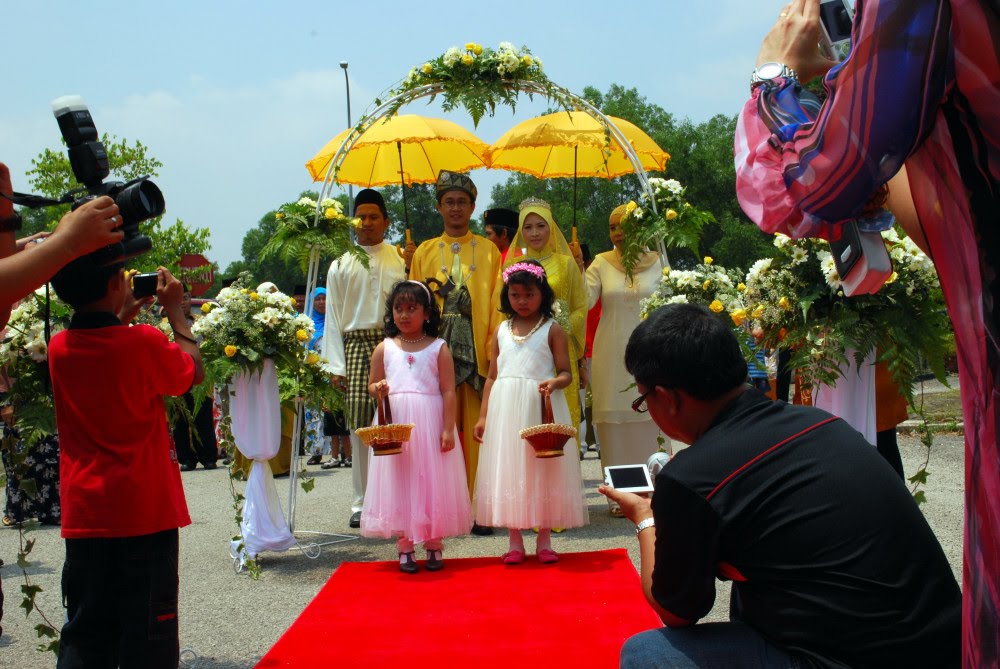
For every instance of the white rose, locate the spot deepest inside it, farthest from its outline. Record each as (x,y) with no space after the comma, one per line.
(307,201)
(451,56)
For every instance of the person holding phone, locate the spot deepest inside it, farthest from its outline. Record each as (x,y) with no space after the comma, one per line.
(832,562)
(919,89)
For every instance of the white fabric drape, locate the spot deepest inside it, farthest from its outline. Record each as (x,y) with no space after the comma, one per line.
(256,413)
(853,398)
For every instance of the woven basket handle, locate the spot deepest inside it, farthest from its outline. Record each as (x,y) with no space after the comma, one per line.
(384,411)
(547,409)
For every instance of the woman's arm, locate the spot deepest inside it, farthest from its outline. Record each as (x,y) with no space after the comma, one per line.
(560,355)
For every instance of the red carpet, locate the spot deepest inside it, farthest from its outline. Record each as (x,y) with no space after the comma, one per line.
(476,613)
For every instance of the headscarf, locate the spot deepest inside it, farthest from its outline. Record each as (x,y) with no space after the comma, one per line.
(614,256)
(319,320)
(557,241)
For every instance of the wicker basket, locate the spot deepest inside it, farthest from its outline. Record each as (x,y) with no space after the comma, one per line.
(386,437)
(548,438)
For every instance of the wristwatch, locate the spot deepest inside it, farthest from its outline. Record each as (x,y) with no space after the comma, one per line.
(10,223)
(643,524)
(767,72)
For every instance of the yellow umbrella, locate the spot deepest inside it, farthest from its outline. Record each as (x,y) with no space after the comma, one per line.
(405,149)
(569,144)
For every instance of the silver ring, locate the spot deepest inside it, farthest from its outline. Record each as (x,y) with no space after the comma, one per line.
(114,219)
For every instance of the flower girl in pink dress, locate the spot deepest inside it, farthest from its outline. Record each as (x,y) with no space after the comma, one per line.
(419,495)
(515,489)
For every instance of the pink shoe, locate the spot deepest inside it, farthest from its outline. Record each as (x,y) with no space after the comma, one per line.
(547,556)
(513,557)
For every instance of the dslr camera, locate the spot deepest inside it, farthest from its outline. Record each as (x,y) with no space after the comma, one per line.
(138,200)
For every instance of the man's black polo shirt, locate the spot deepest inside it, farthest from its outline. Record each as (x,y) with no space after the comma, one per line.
(829,554)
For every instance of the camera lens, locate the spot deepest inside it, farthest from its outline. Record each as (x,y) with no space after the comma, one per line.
(140,201)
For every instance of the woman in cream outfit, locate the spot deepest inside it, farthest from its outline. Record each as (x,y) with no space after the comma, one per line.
(626,437)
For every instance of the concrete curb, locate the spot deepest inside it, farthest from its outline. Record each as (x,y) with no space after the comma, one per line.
(912,426)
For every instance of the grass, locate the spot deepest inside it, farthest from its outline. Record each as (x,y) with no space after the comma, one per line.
(943,407)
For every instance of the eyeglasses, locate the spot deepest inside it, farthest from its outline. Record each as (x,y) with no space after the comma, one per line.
(639,403)
(455,204)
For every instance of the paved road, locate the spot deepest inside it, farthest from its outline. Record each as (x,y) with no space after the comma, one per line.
(229,621)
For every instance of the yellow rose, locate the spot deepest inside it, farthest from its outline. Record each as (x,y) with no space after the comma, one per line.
(330,213)
(254,295)
(467,59)
(666,271)
(527,61)
(230,351)
(302,335)
(708,282)
(427,68)
(279,216)
(312,358)
(741,286)
(670,215)
(356,223)
(477,49)
(708,260)
(785,303)
(206,307)
(758,311)
(716,306)
(469,46)
(738,316)
(630,207)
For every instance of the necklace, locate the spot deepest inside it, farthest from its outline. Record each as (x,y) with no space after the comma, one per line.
(412,341)
(519,339)
(456,249)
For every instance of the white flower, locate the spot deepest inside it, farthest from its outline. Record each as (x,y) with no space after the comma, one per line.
(674,186)
(678,299)
(829,269)
(799,255)
(269,316)
(538,62)
(411,76)
(451,56)
(37,349)
(638,213)
(781,241)
(303,322)
(506,46)
(330,202)
(758,268)
(307,201)
(556,308)
(508,62)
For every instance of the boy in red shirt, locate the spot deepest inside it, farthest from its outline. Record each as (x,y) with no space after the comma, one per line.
(121,491)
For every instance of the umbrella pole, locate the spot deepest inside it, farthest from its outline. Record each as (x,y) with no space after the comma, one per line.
(575,148)
(402,185)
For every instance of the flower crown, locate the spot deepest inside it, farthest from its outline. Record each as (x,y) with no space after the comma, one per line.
(535,270)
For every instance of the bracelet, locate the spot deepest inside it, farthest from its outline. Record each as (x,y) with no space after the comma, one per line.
(644,524)
(185,338)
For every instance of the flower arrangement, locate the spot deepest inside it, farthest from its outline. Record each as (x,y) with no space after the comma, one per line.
(797,300)
(708,284)
(479,78)
(246,327)
(24,356)
(298,232)
(676,222)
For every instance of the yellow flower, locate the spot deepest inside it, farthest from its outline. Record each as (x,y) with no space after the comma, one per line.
(230,351)
(467,59)
(330,213)
(785,303)
(279,216)
(312,358)
(708,282)
(244,291)
(708,260)
(206,307)
(716,306)
(477,49)
(741,286)
(302,335)
(630,207)
(527,61)
(758,311)
(666,271)
(254,295)
(670,215)
(291,300)
(427,68)
(738,316)
(356,223)
(892,278)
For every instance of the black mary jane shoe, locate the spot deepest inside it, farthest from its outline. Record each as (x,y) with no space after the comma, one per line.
(434,561)
(408,565)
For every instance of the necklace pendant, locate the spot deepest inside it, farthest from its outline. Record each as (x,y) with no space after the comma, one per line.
(456,248)
(472,268)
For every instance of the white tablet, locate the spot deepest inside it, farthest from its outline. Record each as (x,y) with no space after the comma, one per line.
(629,478)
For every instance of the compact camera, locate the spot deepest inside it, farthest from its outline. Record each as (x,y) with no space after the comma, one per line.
(836,18)
(861,259)
(138,200)
(144,285)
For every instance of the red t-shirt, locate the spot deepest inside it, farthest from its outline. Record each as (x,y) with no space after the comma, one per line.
(118,473)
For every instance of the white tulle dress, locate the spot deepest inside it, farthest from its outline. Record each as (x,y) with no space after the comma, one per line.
(514,489)
(421,493)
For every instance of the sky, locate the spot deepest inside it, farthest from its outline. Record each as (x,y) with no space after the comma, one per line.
(234,98)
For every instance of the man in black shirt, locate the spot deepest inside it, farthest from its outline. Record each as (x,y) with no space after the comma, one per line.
(832,563)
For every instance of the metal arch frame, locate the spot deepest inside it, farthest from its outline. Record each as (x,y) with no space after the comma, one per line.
(553,92)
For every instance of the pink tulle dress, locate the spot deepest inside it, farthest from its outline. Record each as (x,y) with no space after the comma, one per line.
(421,493)
(514,489)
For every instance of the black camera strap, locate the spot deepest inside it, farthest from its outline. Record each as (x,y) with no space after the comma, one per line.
(37,201)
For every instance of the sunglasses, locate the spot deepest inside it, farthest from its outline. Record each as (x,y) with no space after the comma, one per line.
(639,403)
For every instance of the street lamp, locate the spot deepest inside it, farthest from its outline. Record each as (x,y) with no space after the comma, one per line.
(347,84)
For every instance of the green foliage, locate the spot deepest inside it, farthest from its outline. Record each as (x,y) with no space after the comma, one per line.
(298,235)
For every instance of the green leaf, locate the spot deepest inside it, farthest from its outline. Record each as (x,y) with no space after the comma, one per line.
(919,497)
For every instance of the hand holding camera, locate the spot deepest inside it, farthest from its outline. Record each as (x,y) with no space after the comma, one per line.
(794,40)
(93,225)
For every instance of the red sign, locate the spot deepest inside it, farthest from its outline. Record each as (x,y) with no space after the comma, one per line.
(197,272)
